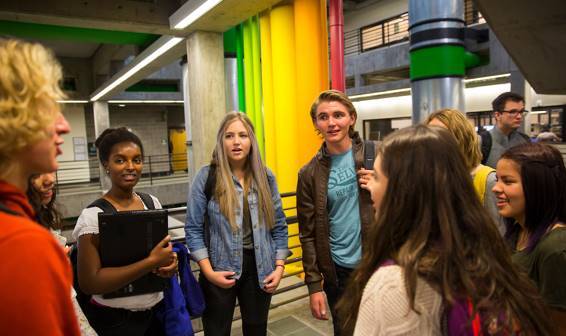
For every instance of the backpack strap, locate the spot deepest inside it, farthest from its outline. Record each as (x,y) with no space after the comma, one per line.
(103,204)
(369,154)
(480,180)
(485,145)
(210,182)
(107,207)
(147,200)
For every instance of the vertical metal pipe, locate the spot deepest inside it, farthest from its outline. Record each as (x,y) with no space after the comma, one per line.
(336,18)
(437,56)
(187,113)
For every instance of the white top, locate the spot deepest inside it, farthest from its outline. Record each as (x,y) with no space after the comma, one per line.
(87,223)
(385,309)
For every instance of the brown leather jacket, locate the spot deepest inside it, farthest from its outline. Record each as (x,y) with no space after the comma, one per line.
(312,188)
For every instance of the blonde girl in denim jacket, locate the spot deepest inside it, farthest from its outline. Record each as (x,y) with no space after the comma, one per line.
(242,247)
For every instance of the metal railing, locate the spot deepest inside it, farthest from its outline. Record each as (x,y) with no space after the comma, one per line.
(73,173)
(393,30)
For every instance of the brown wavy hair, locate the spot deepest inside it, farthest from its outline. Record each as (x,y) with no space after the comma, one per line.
(47,215)
(433,226)
(334,96)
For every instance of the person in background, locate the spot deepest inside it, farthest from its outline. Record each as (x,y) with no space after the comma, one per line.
(41,194)
(508,109)
(333,210)
(35,275)
(121,153)
(468,143)
(530,190)
(546,135)
(435,264)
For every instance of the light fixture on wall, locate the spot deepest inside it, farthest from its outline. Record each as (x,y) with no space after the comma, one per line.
(158,48)
(190,12)
(72,101)
(121,102)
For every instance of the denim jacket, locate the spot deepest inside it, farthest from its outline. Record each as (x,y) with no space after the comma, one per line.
(225,248)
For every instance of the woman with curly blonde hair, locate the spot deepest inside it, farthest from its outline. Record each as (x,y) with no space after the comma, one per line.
(468,143)
(35,275)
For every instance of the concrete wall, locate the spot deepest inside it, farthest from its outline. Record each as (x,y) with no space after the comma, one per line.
(81,70)
(175,117)
(149,122)
(75,115)
(73,163)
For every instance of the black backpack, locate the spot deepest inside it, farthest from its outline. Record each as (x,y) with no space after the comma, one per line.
(369,154)
(82,298)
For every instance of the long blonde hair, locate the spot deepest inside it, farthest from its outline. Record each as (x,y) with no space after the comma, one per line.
(29,89)
(466,137)
(225,192)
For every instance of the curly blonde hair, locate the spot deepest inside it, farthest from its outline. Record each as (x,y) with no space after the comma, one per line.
(466,137)
(29,89)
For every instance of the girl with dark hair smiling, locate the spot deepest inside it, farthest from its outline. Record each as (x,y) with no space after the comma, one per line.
(531,194)
(121,153)
(435,264)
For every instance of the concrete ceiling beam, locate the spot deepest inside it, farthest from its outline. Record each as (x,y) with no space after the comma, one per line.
(534,34)
(165,59)
(223,16)
(124,15)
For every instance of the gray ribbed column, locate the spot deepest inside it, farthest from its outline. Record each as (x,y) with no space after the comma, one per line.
(231,67)
(206,91)
(101,122)
(187,112)
(437,55)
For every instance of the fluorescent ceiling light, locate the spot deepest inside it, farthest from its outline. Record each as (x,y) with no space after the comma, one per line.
(538,112)
(194,15)
(408,90)
(145,101)
(173,41)
(383,93)
(72,101)
(487,78)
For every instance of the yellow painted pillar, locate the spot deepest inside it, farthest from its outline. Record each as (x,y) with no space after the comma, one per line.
(267,90)
(312,68)
(285,96)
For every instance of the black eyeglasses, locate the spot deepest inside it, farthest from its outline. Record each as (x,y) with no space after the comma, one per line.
(514,112)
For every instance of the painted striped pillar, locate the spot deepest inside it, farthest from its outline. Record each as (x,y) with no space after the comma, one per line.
(437,56)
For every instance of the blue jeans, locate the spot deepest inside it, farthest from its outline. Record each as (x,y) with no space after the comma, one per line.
(334,293)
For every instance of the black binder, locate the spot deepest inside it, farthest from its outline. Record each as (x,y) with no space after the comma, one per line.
(127,237)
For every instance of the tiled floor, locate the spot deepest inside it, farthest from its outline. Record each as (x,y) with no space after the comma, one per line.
(293,319)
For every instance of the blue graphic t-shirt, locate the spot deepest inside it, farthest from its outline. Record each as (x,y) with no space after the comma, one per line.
(343,211)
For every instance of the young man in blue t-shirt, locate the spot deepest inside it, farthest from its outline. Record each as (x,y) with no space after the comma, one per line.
(333,210)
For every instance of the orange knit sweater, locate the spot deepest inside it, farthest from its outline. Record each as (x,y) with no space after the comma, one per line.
(35,274)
